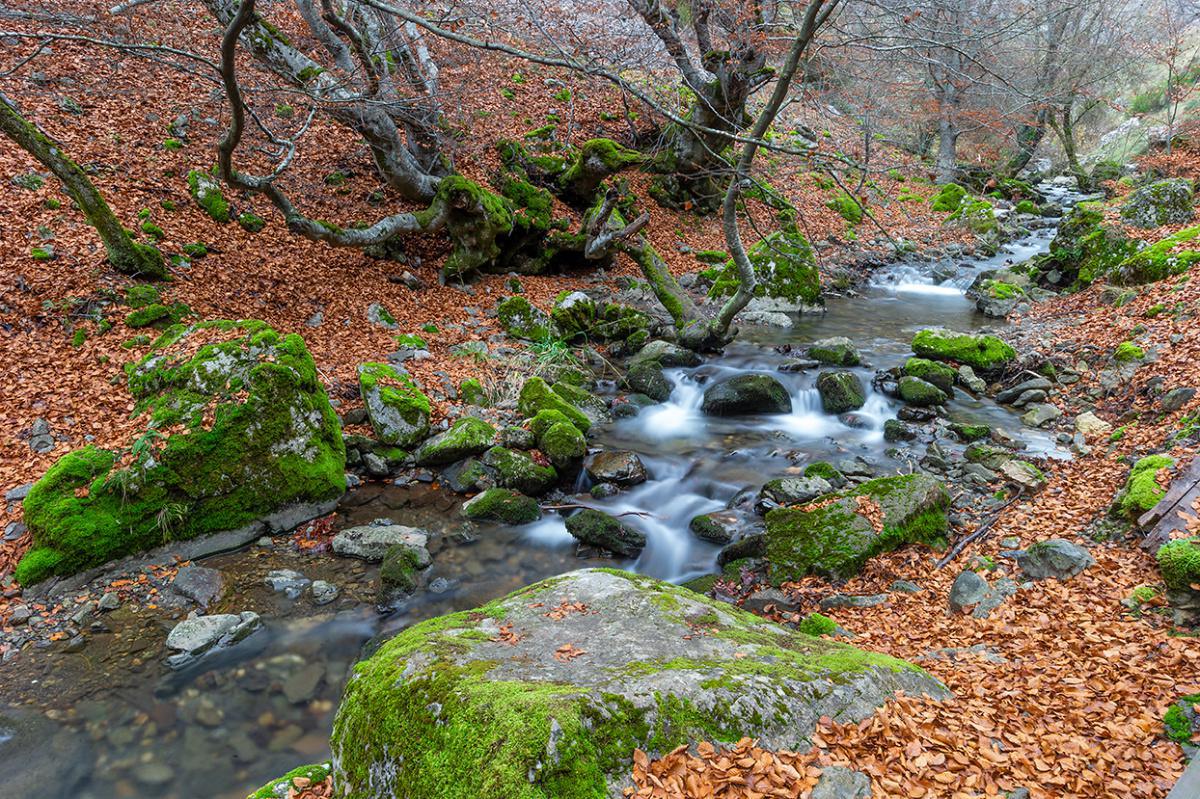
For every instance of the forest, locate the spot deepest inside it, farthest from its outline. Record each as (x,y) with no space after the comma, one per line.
(675,399)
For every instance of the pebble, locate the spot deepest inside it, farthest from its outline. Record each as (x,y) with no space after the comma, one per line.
(323,592)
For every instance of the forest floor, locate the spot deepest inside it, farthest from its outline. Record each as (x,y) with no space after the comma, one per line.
(1073,683)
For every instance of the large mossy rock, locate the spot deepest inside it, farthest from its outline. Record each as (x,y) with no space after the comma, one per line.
(785,268)
(1164,202)
(746,394)
(452,708)
(841,392)
(580,318)
(237,426)
(1086,247)
(597,529)
(982,352)
(537,396)
(397,409)
(466,437)
(1171,256)
(835,539)
(521,319)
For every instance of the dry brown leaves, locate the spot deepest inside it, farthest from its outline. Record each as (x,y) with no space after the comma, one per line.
(568,652)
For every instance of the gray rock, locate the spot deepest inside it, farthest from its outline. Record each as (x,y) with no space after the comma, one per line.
(1041,414)
(602,531)
(646,377)
(372,541)
(1176,398)
(17,494)
(967,376)
(605,658)
(906,587)
(1033,384)
(746,394)
(42,758)
(378,315)
(192,638)
(758,601)
(396,408)
(619,467)
(302,685)
(969,589)
(840,392)
(109,601)
(996,595)
(837,782)
(1026,475)
(290,583)
(792,491)
(836,351)
(1055,558)
(852,601)
(198,583)
(323,593)
(765,318)
(153,774)
(718,527)
(667,354)
(20,615)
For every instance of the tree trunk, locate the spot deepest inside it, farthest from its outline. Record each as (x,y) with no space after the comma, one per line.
(1066,135)
(126,255)
(947,154)
(1029,136)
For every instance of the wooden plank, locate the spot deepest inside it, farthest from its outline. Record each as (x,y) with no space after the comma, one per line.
(1163,519)
(1188,786)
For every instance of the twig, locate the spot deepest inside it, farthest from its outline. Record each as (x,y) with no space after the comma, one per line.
(980,532)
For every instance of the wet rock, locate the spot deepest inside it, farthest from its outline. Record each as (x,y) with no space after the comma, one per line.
(605,532)
(666,354)
(647,378)
(468,475)
(399,573)
(502,505)
(193,638)
(515,437)
(604,490)
(765,318)
(595,662)
(838,782)
(1041,415)
(837,351)
(620,467)
(1176,398)
(153,774)
(747,394)
(290,583)
(372,541)
(198,583)
(968,590)
(911,413)
(1029,397)
(921,393)
(967,376)
(41,758)
(1030,478)
(466,437)
(374,465)
(718,527)
(1055,558)
(791,491)
(1010,394)
(750,546)
(14,530)
(20,615)
(323,592)
(302,686)
(840,392)
(516,470)
(799,365)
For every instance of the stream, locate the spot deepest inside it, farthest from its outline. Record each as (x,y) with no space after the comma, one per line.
(122,726)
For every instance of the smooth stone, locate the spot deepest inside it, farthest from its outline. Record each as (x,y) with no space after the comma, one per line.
(198,583)
(323,592)
(1055,558)
(290,583)
(969,589)
(371,542)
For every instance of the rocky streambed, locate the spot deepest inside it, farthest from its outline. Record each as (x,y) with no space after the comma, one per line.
(145,683)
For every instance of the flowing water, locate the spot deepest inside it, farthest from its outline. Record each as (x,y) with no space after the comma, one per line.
(123,727)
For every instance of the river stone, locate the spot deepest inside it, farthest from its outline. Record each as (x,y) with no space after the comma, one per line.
(746,394)
(1055,558)
(923,394)
(397,409)
(198,636)
(765,318)
(841,392)
(836,351)
(323,592)
(1029,477)
(967,376)
(198,583)
(1041,415)
(372,541)
(667,354)
(521,319)
(836,539)
(792,491)
(646,377)
(969,589)
(527,714)
(1090,424)
(602,531)
(838,782)
(42,758)
(517,470)
(466,437)
(288,582)
(620,467)
(718,527)
(1034,384)
(979,351)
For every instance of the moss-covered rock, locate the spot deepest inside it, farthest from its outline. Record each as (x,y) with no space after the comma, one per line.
(502,505)
(593,407)
(283,787)
(578,317)
(1086,247)
(397,409)
(949,197)
(564,445)
(817,624)
(841,391)
(933,372)
(1164,202)
(785,268)
(836,351)
(537,396)
(746,394)
(599,530)
(399,572)
(448,708)
(596,160)
(1142,491)
(1171,256)
(982,352)
(466,437)
(646,377)
(516,470)
(978,216)
(918,392)
(836,539)
(521,319)
(237,426)
(1179,562)
(206,191)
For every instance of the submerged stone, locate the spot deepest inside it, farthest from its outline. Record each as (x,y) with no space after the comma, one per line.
(451,708)
(597,529)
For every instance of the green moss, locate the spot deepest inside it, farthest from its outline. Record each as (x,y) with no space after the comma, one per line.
(1127,351)
(948,198)
(977,215)
(784,265)
(472,392)
(938,374)
(1176,725)
(502,505)
(252,223)
(537,396)
(817,624)
(1174,255)
(1179,562)
(142,295)
(195,249)
(279,788)
(521,319)
(1028,207)
(978,351)
(208,195)
(468,436)
(1141,491)
(44,253)
(79,337)
(396,391)
(518,471)
(153,231)
(30,181)
(824,470)
(847,207)
(563,444)
(253,432)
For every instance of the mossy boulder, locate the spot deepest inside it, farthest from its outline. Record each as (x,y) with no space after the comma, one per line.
(522,319)
(982,352)
(746,394)
(1086,247)
(536,395)
(449,708)
(978,216)
(399,572)
(397,409)
(594,408)
(933,372)
(1164,202)
(502,505)
(1142,491)
(1179,562)
(237,426)
(564,445)
(578,317)
(666,354)
(918,392)
(466,437)
(785,268)
(514,469)
(841,392)
(206,191)
(835,539)
(948,198)
(1171,256)
(836,351)
(599,530)
(646,377)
